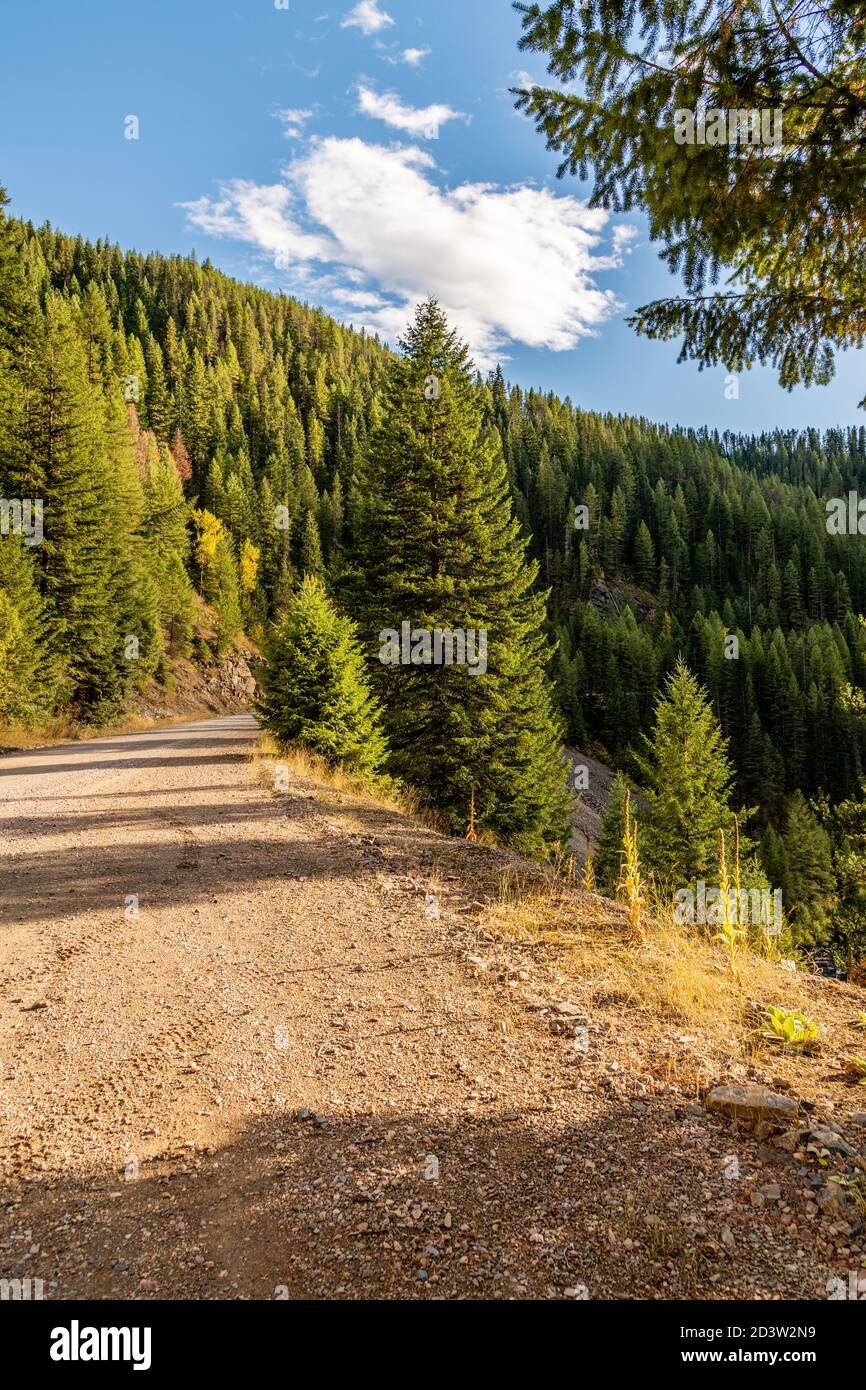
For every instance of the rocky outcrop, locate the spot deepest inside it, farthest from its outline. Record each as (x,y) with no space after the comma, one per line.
(232,680)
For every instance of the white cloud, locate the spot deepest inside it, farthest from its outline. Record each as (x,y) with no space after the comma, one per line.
(373,231)
(623,234)
(260,214)
(293,119)
(367,17)
(359,299)
(414,57)
(415,120)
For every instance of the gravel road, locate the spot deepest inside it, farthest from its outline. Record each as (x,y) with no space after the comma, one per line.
(241,1056)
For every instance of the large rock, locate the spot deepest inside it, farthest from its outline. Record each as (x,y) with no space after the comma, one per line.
(752,1102)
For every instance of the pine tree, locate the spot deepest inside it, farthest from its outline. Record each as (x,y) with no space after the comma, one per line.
(129,563)
(94,328)
(165,527)
(688,778)
(795,259)
(222,589)
(28,667)
(310,558)
(849,919)
(608,856)
(644,557)
(809,881)
(317,693)
(438,547)
(64,461)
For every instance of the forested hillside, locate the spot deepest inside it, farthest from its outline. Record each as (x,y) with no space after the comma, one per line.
(186,433)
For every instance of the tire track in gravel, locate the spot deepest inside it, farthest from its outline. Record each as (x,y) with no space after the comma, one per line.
(281,1077)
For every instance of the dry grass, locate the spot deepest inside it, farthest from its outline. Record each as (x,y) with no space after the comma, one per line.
(308,768)
(675,979)
(381,795)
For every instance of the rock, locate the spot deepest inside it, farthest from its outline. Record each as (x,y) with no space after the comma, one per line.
(833,1201)
(772,1191)
(858,1120)
(728,1238)
(792,1139)
(828,1139)
(567,1019)
(568,1027)
(752,1102)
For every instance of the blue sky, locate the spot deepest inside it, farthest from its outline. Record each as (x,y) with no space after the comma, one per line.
(359,155)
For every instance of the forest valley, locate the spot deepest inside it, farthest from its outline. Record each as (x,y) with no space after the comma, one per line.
(283,470)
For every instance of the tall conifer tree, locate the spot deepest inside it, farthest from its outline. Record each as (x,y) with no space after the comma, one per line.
(438,546)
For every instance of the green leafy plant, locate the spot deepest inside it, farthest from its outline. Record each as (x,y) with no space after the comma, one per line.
(859,1021)
(791,1028)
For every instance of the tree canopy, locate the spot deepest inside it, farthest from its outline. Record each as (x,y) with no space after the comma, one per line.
(783,220)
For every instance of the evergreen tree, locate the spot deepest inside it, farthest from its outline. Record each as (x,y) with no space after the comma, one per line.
(644,557)
(608,857)
(317,693)
(688,777)
(633,68)
(809,881)
(64,461)
(28,667)
(222,589)
(310,558)
(129,565)
(164,525)
(438,547)
(849,862)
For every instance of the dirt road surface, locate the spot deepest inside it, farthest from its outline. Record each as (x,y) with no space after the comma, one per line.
(240,1056)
